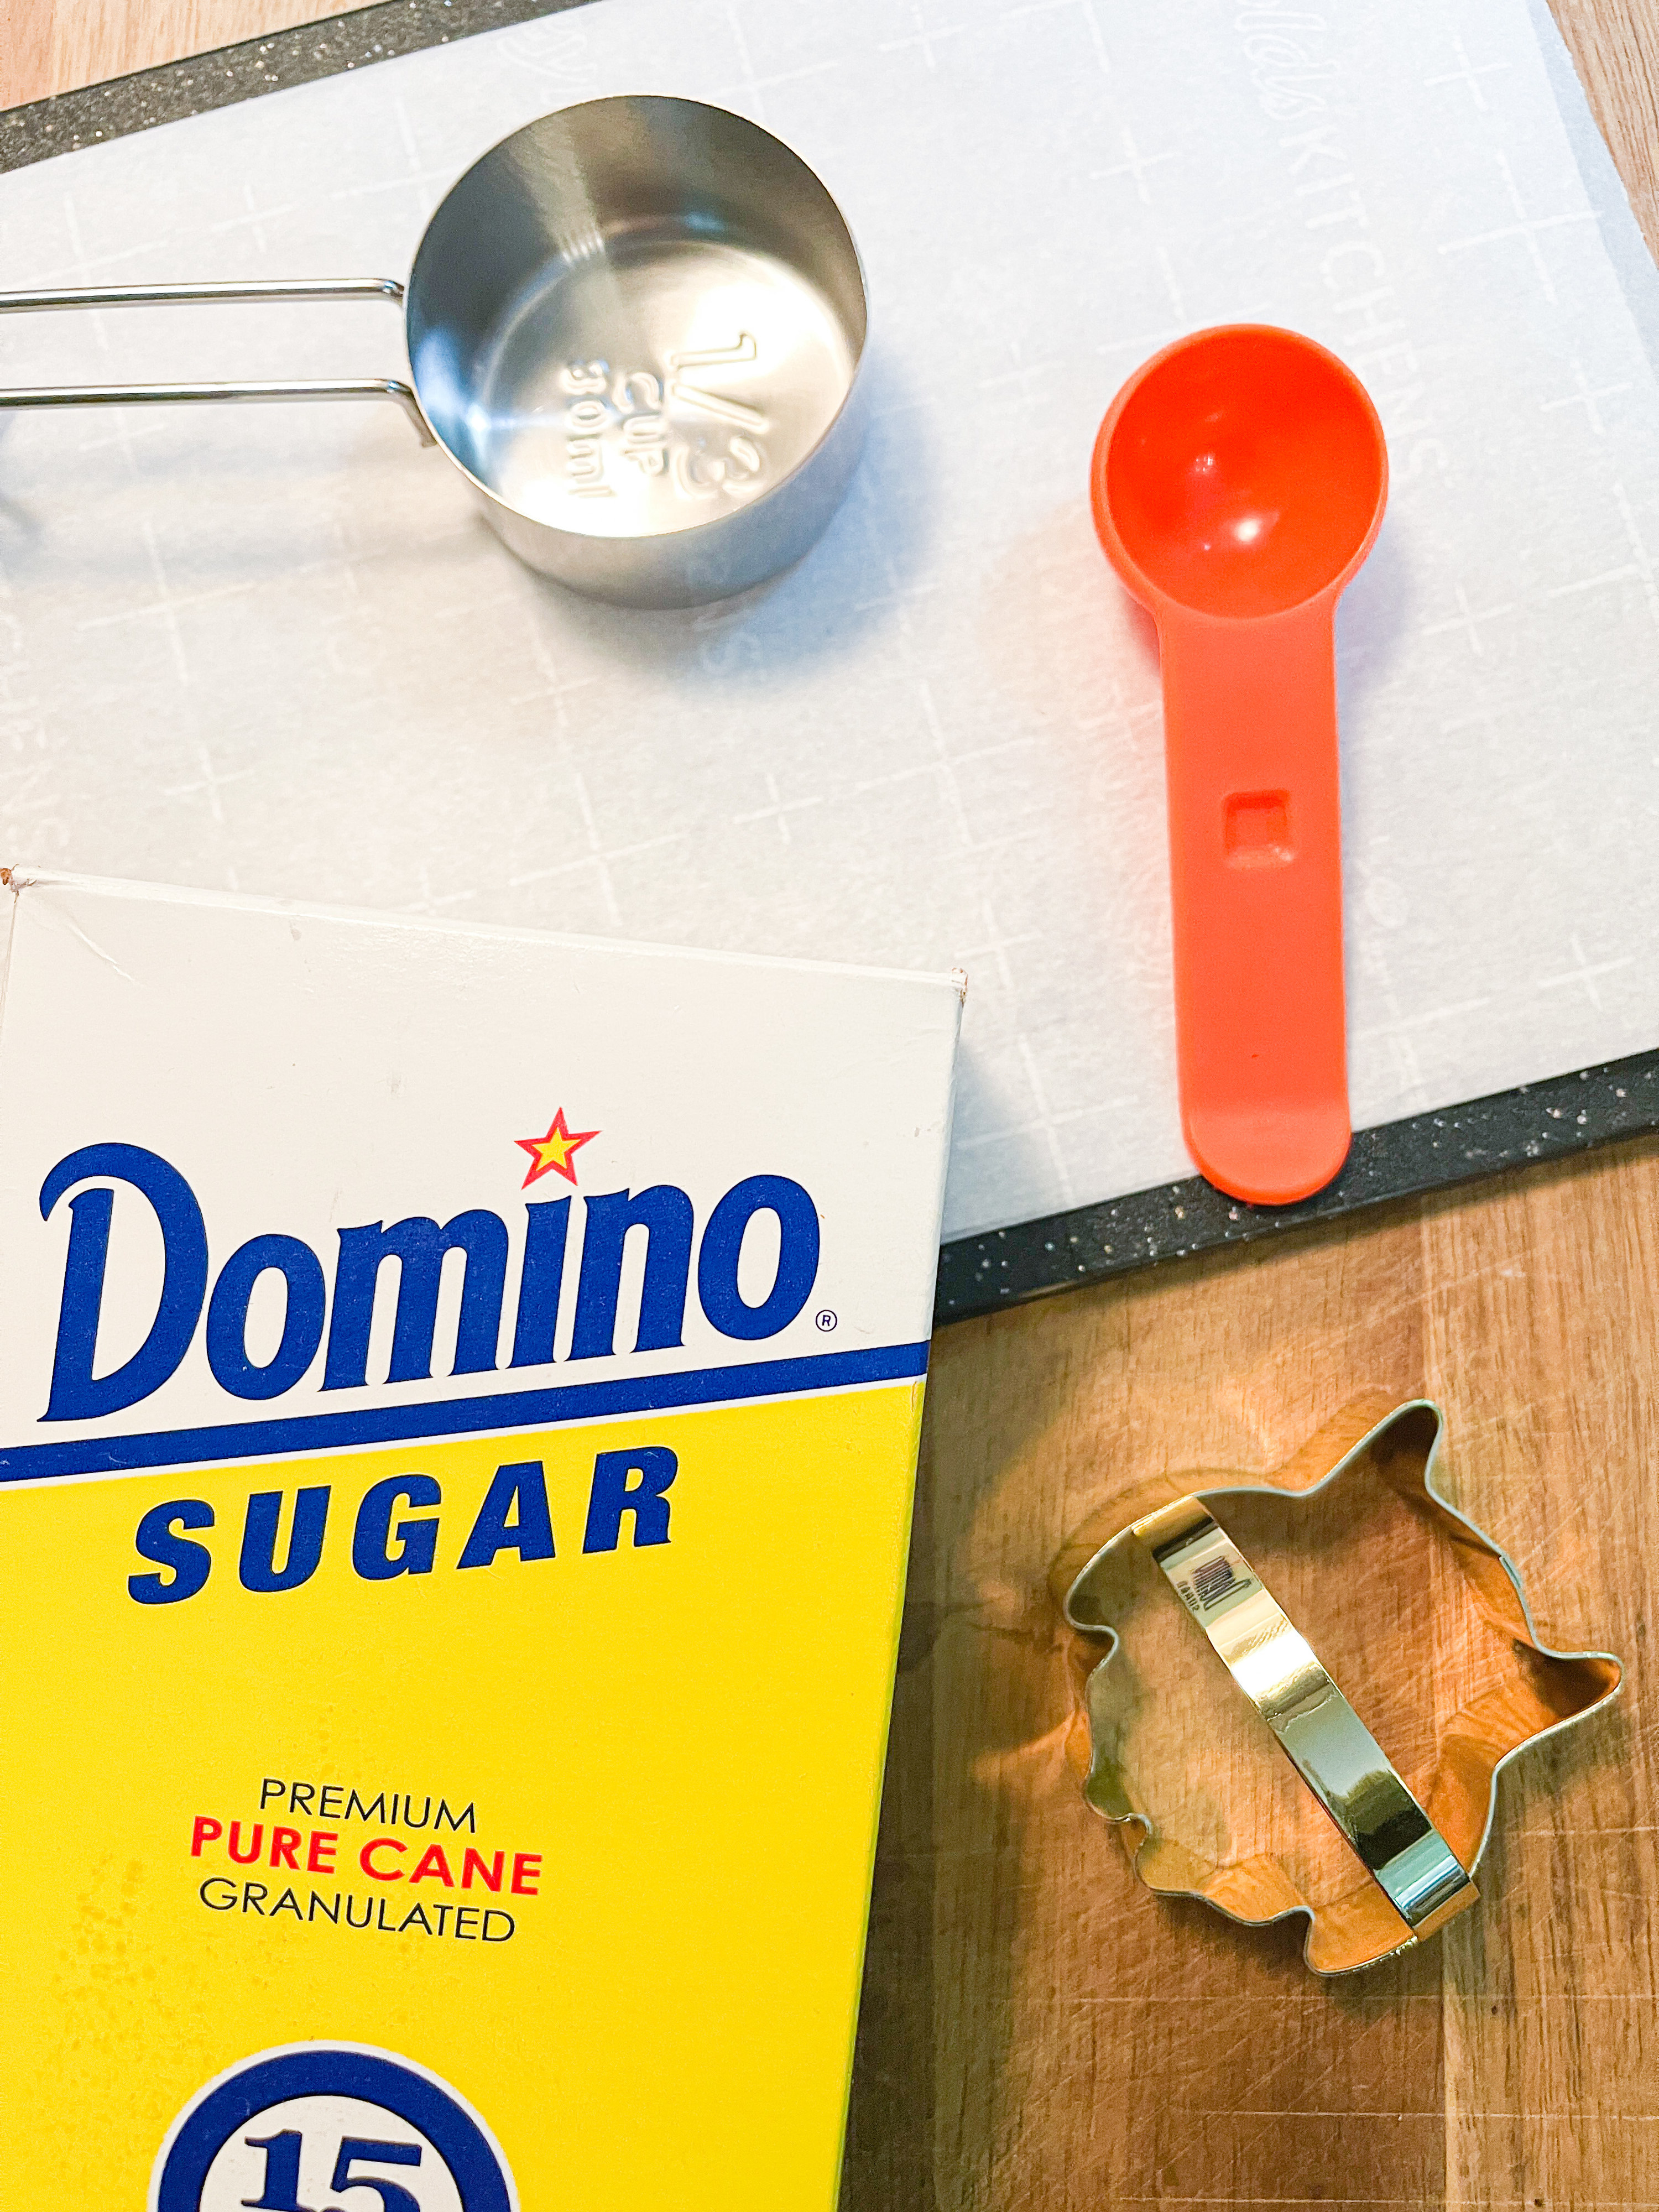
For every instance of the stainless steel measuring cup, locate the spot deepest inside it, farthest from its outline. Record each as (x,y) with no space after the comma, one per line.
(635,326)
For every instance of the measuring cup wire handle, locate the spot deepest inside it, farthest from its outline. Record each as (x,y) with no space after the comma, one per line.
(165,395)
(165,295)
(175,295)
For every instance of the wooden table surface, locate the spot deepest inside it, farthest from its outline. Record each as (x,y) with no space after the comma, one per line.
(1038,2030)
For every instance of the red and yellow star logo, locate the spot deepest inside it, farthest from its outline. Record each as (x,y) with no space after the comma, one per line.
(554,1149)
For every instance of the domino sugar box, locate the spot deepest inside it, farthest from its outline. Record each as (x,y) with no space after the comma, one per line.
(459,1411)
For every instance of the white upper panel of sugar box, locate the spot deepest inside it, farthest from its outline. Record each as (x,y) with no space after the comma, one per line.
(307,1072)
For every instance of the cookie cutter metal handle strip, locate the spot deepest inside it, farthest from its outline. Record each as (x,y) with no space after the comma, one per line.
(1326,1740)
(167,295)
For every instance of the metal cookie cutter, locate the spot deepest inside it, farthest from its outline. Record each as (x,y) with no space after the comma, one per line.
(1416,1850)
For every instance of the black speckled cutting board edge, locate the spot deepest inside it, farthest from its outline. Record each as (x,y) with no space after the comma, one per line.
(1549,1120)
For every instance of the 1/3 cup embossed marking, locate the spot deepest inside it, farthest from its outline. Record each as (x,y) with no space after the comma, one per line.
(632,403)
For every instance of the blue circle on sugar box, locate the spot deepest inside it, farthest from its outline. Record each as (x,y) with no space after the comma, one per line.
(476,2166)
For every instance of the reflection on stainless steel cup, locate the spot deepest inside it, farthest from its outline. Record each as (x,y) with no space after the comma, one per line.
(636,325)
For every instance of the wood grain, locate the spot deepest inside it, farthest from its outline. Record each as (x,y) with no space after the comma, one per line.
(1042,2032)
(54,46)
(1614,45)
(1039,2032)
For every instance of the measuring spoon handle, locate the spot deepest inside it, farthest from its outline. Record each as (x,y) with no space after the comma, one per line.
(1256,863)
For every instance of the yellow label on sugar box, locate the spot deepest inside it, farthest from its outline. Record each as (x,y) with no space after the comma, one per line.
(447,1639)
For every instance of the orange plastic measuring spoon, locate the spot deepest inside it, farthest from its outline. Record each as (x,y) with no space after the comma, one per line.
(1239,480)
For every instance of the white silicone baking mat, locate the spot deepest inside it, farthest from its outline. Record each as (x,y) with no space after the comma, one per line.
(276,649)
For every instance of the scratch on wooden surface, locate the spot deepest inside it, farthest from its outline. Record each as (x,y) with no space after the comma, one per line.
(1640,1828)
(1221,2059)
